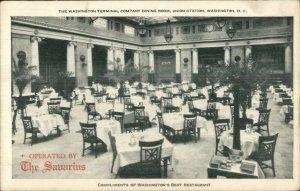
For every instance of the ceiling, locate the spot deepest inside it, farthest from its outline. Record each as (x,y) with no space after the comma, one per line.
(160,20)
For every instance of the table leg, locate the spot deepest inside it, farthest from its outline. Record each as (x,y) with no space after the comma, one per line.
(198,132)
(165,175)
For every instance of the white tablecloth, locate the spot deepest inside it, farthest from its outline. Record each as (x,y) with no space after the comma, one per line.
(128,154)
(252,114)
(202,104)
(104,126)
(103,108)
(47,123)
(176,121)
(249,141)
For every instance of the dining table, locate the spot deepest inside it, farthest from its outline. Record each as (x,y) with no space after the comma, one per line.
(106,125)
(128,149)
(249,141)
(253,114)
(48,122)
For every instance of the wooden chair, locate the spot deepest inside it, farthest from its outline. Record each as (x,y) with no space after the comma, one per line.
(65,113)
(189,126)
(220,125)
(113,148)
(89,135)
(290,114)
(91,112)
(150,159)
(168,105)
(54,107)
(263,103)
(56,99)
(110,100)
(140,117)
(119,116)
(263,120)
(160,122)
(266,150)
(29,129)
(99,98)
(127,103)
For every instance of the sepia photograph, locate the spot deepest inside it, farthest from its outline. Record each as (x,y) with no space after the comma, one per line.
(118,95)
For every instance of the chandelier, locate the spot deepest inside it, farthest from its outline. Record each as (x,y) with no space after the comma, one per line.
(168,33)
(221,22)
(141,28)
(230,31)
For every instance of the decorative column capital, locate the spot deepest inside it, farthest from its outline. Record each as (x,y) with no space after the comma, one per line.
(123,50)
(150,52)
(177,50)
(137,52)
(90,45)
(110,48)
(72,43)
(248,47)
(288,44)
(194,50)
(227,48)
(35,38)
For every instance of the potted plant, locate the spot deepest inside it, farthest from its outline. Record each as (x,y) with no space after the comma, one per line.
(22,75)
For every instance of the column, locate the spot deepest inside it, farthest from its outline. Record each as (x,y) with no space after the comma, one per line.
(178,74)
(136,59)
(90,59)
(35,53)
(288,62)
(195,64)
(122,57)
(110,59)
(71,58)
(151,60)
(227,55)
(248,51)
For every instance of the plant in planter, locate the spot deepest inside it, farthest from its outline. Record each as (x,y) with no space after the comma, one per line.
(22,75)
(65,77)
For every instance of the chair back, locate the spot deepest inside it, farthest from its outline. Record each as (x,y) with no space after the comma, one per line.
(88,131)
(150,152)
(221,125)
(57,99)
(189,121)
(191,106)
(112,140)
(139,112)
(211,105)
(201,96)
(290,109)
(264,116)
(65,113)
(263,103)
(90,107)
(110,100)
(53,107)
(27,123)
(119,116)
(167,101)
(99,98)
(127,99)
(160,119)
(266,146)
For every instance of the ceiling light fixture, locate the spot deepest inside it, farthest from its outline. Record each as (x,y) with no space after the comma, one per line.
(141,28)
(168,33)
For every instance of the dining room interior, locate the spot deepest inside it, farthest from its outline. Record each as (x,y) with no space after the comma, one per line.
(152,97)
